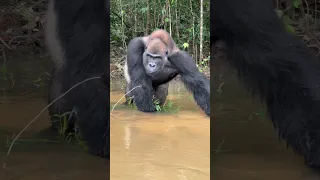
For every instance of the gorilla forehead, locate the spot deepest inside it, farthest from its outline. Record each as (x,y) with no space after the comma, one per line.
(156,46)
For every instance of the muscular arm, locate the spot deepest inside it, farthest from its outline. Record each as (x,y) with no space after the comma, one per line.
(193,79)
(138,77)
(275,65)
(165,75)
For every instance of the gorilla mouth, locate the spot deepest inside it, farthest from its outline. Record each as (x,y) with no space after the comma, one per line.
(152,73)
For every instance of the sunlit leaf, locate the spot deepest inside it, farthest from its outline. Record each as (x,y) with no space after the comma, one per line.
(185,45)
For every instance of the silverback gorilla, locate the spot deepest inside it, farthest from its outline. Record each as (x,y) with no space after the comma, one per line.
(275,65)
(154,60)
(77,37)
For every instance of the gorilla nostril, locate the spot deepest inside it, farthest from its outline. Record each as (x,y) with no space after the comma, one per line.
(152,65)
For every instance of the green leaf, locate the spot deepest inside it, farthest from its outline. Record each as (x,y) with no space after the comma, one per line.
(166,20)
(290,29)
(185,45)
(296,3)
(143,10)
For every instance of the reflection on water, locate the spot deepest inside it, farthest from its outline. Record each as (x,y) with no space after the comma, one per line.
(36,155)
(245,145)
(160,145)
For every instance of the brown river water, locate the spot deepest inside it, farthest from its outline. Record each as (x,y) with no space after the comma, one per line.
(37,154)
(166,145)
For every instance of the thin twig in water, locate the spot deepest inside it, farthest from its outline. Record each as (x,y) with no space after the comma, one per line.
(33,120)
(123,97)
(218,149)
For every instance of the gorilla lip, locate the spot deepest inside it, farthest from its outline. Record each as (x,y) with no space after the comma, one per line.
(152,73)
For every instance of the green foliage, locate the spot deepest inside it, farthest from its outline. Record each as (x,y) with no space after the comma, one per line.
(69,137)
(296,3)
(130,103)
(295,13)
(203,65)
(129,20)
(286,20)
(169,106)
(185,45)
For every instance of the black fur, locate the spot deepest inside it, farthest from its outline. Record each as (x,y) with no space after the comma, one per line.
(167,73)
(150,86)
(193,79)
(275,65)
(143,92)
(83,33)
(180,62)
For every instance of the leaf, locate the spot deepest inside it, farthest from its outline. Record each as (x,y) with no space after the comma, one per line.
(185,45)
(296,3)
(166,20)
(279,13)
(143,10)
(290,29)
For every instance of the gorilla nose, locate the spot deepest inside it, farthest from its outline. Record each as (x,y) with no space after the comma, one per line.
(152,64)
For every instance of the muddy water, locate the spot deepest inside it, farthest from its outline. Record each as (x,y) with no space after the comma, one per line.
(245,145)
(37,154)
(160,146)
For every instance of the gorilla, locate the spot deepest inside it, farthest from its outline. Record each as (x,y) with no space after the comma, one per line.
(154,60)
(275,65)
(77,38)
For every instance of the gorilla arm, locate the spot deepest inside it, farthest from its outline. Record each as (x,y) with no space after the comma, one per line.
(275,65)
(193,79)
(138,77)
(167,73)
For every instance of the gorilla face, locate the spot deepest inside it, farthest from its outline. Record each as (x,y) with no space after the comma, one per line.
(153,63)
(155,57)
